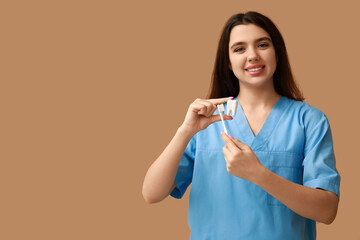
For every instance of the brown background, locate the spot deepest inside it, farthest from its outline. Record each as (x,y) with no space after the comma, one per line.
(85,110)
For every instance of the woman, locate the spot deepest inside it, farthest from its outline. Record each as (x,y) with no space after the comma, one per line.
(274,175)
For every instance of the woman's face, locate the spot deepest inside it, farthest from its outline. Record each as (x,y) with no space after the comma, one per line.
(252,55)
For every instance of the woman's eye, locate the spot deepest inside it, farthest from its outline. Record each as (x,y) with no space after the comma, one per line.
(264,45)
(239,49)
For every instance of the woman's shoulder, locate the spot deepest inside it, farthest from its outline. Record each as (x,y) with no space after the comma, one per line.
(306,113)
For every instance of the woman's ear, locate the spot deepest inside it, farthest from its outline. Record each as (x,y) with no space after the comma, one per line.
(230,67)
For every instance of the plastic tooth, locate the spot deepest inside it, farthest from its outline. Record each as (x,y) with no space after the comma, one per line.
(231,107)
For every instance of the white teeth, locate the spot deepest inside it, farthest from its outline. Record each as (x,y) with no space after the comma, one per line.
(255,69)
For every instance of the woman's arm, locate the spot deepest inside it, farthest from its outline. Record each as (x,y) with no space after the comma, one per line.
(315,204)
(159,179)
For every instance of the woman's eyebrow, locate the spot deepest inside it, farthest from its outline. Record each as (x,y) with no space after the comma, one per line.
(257,40)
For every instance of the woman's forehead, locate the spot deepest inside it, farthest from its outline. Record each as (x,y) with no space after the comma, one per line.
(247,33)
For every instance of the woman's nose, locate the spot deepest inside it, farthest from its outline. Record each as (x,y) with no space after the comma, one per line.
(253,55)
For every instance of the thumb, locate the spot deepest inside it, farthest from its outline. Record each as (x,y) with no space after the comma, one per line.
(216,118)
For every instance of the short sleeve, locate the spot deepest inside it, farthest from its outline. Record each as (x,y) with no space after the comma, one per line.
(319,159)
(185,170)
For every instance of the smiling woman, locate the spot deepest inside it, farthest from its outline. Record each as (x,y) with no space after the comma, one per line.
(225,82)
(275,176)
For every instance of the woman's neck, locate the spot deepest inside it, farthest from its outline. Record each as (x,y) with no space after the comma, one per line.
(257,98)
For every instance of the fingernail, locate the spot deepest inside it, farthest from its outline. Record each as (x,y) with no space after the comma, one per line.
(231,136)
(231,97)
(222,132)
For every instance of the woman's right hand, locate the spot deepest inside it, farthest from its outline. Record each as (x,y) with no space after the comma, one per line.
(200,114)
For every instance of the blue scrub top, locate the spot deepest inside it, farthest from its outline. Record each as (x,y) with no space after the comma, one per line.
(295,142)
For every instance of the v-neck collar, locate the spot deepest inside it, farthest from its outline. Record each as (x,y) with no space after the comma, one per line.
(269,125)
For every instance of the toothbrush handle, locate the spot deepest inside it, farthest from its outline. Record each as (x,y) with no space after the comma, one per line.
(222,120)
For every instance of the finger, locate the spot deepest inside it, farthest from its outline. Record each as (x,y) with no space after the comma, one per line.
(240,144)
(205,108)
(213,109)
(210,107)
(226,152)
(199,108)
(217,101)
(237,142)
(216,118)
(228,141)
(210,104)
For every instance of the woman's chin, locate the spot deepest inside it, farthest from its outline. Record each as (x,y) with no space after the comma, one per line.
(256,83)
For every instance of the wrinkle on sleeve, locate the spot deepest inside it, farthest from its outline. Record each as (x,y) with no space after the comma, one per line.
(185,170)
(319,160)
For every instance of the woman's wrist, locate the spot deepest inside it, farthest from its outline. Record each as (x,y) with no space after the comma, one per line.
(261,176)
(186,132)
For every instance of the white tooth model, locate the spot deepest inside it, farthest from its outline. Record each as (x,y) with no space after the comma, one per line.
(231,107)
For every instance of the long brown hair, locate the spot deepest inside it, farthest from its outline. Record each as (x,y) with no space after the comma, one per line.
(224,83)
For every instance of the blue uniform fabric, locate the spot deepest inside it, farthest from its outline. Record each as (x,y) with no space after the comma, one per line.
(295,142)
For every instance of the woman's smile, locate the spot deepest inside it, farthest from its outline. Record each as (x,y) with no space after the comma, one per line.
(255,69)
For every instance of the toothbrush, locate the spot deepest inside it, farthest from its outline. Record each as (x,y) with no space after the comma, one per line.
(231,108)
(221,108)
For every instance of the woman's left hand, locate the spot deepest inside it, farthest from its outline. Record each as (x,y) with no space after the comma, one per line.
(241,161)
